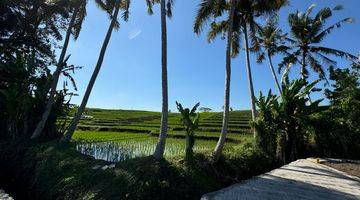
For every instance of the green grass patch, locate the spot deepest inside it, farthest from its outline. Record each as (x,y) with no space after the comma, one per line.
(52,171)
(99,136)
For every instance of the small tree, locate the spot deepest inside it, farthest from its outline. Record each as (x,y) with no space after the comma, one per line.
(205,109)
(190,120)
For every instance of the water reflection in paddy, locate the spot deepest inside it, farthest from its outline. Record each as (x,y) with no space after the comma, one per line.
(115,151)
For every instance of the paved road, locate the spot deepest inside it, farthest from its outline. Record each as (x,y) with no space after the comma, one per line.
(4,196)
(302,179)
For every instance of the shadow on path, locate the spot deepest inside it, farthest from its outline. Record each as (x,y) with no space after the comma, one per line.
(301,179)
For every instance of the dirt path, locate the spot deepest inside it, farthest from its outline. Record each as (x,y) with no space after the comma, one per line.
(302,179)
(4,196)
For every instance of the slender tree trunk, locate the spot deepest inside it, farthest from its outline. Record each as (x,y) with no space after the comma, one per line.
(303,71)
(249,76)
(303,66)
(273,73)
(160,146)
(220,144)
(77,117)
(55,79)
(190,141)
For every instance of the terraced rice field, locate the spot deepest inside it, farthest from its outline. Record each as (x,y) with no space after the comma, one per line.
(115,135)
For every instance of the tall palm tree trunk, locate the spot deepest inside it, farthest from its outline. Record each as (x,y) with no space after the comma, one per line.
(75,121)
(220,144)
(273,72)
(160,146)
(303,66)
(249,76)
(55,79)
(303,71)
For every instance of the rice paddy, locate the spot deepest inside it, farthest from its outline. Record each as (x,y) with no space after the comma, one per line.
(117,135)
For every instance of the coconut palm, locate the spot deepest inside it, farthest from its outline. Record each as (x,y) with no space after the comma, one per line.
(245,14)
(209,10)
(112,7)
(74,27)
(271,40)
(250,10)
(307,34)
(166,11)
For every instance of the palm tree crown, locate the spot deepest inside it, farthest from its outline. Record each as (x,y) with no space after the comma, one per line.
(307,34)
(271,40)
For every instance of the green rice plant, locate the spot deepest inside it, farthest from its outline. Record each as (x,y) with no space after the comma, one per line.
(121,150)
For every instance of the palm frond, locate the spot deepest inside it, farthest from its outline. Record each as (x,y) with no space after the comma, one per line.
(79,20)
(322,15)
(315,65)
(217,28)
(329,62)
(169,6)
(319,37)
(150,5)
(339,53)
(125,5)
(208,9)
(103,6)
(338,7)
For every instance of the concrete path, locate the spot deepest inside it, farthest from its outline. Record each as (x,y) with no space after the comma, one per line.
(302,179)
(4,196)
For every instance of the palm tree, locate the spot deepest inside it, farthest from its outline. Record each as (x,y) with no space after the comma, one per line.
(166,11)
(245,14)
(249,11)
(210,10)
(271,40)
(307,33)
(74,27)
(112,7)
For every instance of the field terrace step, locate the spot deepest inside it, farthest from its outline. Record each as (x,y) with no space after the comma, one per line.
(229,122)
(198,137)
(130,119)
(113,129)
(235,126)
(176,126)
(214,130)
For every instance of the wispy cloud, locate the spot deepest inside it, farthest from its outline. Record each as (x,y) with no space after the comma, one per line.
(134,34)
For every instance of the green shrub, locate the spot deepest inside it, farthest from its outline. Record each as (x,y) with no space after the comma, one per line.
(337,131)
(286,121)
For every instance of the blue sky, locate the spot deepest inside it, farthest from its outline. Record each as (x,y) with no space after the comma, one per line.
(130,77)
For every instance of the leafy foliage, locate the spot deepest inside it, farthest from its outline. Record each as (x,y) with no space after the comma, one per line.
(190,120)
(39,25)
(23,96)
(267,123)
(286,121)
(307,34)
(337,133)
(169,6)
(271,39)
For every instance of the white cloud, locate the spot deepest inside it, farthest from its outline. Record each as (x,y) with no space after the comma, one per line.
(134,34)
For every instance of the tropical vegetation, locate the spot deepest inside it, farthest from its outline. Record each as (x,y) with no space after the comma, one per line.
(53,149)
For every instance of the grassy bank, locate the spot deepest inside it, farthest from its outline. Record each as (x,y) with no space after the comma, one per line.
(51,171)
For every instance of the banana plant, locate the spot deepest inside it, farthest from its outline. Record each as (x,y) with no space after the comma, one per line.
(190,121)
(283,121)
